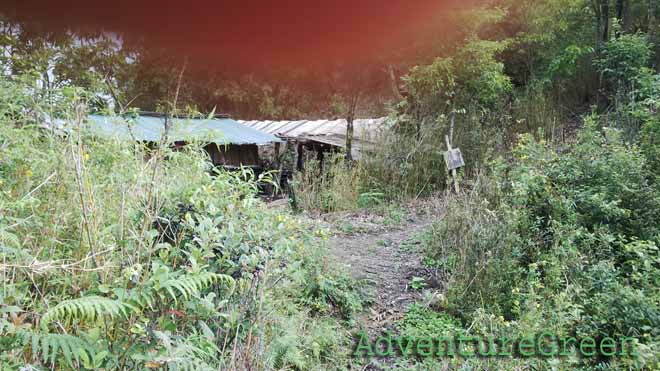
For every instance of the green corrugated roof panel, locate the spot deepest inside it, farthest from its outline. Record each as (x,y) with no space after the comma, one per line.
(150,128)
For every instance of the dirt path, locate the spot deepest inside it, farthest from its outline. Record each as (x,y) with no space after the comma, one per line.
(385,257)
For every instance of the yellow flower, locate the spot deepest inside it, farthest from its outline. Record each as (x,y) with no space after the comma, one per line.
(86,156)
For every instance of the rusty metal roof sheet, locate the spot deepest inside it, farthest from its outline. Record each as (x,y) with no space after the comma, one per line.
(333,132)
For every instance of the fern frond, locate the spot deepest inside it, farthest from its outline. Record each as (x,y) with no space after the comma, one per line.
(89,308)
(50,346)
(143,298)
(192,284)
(187,286)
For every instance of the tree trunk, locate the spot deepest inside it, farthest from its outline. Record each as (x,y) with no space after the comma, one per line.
(396,90)
(605,14)
(653,31)
(652,19)
(601,10)
(595,5)
(349,138)
(299,156)
(350,117)
(623,14)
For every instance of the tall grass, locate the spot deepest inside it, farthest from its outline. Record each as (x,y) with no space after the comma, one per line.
(331,185)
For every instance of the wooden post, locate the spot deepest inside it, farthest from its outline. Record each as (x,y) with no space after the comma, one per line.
(299,156)
(277,165)
(320,155)
(453,171)
(276,156)
(349,138)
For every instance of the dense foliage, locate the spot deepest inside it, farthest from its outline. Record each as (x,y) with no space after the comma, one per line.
(565,242)
(117,256)
(558,229)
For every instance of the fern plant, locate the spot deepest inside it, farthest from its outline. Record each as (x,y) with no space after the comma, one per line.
(190,285)
(172,286)
(89,308)
(52,347)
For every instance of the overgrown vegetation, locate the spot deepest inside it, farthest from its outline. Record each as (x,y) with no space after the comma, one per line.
(565,242)
(329,185)
(117,256)
(566,238)
(558,229)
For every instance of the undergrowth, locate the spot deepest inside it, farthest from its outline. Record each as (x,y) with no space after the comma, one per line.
(116,255)
(562,243)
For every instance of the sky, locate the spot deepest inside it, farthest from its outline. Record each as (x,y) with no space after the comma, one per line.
(253,33)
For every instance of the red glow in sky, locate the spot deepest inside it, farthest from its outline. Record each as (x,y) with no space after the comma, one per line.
(250,32)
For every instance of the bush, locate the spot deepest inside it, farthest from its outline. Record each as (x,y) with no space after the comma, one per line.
(564,242)
(650,145)
(623,57)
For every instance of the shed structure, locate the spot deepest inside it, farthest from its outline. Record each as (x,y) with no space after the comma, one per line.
(228,143)
(323,133)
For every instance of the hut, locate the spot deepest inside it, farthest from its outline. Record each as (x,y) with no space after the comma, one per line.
(229,144)
(321,136)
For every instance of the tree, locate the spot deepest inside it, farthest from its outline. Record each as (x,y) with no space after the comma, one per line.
(601,9)
(354,91)
(623,14)
(653,30)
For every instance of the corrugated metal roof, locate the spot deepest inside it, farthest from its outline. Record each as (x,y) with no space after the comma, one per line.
(150,128)
(333,132)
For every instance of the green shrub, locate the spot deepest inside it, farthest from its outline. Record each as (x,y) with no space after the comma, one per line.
(650,145)
(564,242)
(420,322)
(623,57)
